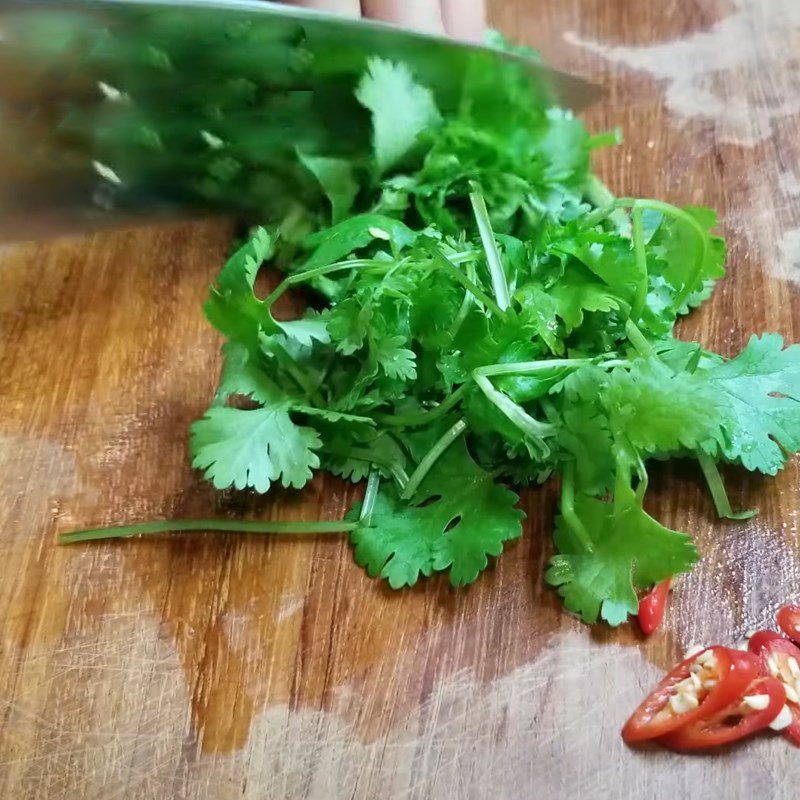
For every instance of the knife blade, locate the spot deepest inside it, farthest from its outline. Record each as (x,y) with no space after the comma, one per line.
(115,111)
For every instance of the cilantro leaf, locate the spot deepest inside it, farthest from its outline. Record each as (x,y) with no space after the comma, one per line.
(310,328)
(457,519)
(661,411)
(241,375)
(585,433)
(541,309)
(232,306)
(607,255)
(252,449)
(333,244)
(401,109)
(337,178)
(354,459)
(395,360)
(234,309)
(349,323)
(762,389)
(630,550)
(579,291)
(677,246)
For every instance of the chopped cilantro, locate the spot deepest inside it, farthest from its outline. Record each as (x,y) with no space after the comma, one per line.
(485,311)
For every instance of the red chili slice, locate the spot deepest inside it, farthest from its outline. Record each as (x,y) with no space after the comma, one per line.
(652,607)
(723,684)
(759,640)
(780,659)
(732,723)
(788,619)
(746,661)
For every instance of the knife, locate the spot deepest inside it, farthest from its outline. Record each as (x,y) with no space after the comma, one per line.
(118,111)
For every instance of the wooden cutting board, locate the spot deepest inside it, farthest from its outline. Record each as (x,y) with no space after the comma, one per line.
(219,667)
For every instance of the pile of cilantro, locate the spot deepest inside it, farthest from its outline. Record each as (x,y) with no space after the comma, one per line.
(482,314)
(483,321)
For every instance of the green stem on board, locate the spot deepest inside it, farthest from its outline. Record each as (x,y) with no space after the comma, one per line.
(203,525)
(717,489)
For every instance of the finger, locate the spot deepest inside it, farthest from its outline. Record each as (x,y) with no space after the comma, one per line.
(421,15)
(465,19)
(348,8)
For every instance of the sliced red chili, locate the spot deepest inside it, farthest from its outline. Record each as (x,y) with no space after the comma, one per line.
(759,640)
(652,607)
(780,659)
(746,661)
(740,718)
(788,619)
(722,675)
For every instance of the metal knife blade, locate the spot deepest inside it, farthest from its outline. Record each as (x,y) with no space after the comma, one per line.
(113,111)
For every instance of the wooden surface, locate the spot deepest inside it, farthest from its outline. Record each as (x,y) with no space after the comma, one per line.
(223,668)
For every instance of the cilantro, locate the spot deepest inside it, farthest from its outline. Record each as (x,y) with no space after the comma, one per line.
(337,178)
(480,308)
(761,387)
(458,518)
(253,448)
(232,306)
(395,360)
(627,550)
(401,109)
(662,411)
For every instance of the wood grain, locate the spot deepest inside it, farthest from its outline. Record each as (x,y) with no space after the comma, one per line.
(223,668)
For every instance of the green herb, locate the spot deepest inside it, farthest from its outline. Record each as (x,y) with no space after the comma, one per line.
(487,314)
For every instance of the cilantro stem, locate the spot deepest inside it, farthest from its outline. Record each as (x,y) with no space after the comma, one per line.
(549,410)
(421,418)
(531,367)
(644,478)
(606,139)
(466,304)
(203,525)
(516,414)
(568,507)
(431,457)
(496,270)
(317,272)
(545,365)
(640,257)
(679,214)
(597,216)
(717,488)
(444,262)
(371,494)
(289,364)
(601,196)
(637,339)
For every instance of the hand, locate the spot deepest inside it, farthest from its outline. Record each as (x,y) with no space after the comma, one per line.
(462,19)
